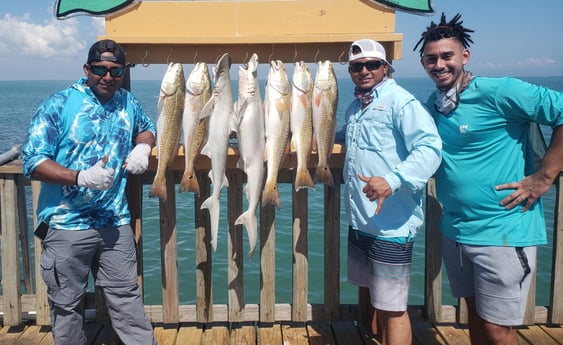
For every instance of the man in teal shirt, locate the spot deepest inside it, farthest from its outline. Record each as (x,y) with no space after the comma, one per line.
(488,182)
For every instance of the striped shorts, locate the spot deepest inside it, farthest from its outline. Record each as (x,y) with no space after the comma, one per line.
(383,266)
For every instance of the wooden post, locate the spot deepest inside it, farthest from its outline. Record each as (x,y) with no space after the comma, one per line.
(204,301)
(43,316)
(169,257)
(10,263)
(332,248)
(235,252)
(300,254)
(555,312)
(267,264)
(433,255)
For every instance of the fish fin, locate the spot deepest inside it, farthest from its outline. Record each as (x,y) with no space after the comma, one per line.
(314,145)
(212,205)
(210,175)
(159,189)
(241,109)
(303,180)
(240,164)
(207,203)
(271,196)
(189,183)
(324,175)
(292,145)
(206,150)
(251,225)
(207,108)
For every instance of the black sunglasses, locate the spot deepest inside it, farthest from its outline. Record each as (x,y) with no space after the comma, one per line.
(102,70)
(372,65)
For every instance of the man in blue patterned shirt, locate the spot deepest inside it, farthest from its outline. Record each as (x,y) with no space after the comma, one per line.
(82,144)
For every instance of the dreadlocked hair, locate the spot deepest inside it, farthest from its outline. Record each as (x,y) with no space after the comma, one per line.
(451,29)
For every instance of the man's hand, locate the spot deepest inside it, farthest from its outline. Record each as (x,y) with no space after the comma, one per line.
(376,188)
(97,177)
(138,160)
(526,192)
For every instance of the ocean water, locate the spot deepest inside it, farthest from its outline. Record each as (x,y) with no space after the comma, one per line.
(19,100)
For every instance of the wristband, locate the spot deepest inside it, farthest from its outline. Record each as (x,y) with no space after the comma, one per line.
(76,178)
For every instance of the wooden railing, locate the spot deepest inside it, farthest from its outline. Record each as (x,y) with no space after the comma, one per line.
(24,294)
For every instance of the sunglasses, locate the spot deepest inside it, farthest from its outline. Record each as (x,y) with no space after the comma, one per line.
(102,70)
(372,65)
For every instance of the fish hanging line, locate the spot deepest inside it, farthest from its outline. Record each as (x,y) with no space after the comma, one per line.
(340,58)
(272,53)
(218,55)
(169,56)
(144,57)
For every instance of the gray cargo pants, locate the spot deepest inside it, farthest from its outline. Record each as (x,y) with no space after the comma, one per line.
(66,260)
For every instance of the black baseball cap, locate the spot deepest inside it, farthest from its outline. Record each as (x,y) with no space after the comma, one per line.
(100,47)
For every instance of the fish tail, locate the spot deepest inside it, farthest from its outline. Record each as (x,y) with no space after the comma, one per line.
(159,188)
(303,180)
(212,204)
(250,222)
(271,195)
(323,175)
(189,183)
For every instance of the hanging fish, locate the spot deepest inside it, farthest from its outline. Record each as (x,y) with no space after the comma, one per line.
(325,100)
(168,125)
(198,92)
(276,109)
(251,143)
(219,109)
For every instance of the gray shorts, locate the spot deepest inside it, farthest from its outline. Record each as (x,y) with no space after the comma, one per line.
(382,266)
(498,277)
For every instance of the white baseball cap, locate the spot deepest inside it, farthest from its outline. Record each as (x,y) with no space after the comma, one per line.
(367,48)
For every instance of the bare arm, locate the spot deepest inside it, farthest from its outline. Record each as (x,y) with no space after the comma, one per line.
(534,186)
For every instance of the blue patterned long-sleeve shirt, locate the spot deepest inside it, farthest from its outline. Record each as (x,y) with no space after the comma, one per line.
(75,130)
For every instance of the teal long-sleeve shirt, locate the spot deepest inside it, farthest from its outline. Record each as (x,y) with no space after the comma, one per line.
(394,137)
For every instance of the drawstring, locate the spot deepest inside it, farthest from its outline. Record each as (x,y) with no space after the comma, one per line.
(457,244)
(524,262)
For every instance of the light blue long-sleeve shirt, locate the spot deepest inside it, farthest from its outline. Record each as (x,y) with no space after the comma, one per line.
(394,137)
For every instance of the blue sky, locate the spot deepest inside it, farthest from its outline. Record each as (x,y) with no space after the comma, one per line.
(516,38)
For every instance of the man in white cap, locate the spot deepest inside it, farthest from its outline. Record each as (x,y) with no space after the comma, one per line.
(392,149)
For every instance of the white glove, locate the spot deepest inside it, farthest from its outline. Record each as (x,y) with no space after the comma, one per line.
(97,177)
(138,159)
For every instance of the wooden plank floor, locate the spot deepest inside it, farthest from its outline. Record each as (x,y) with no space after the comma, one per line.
(311,333)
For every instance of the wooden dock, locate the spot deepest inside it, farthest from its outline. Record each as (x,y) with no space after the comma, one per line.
(24,309)
(280,333)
